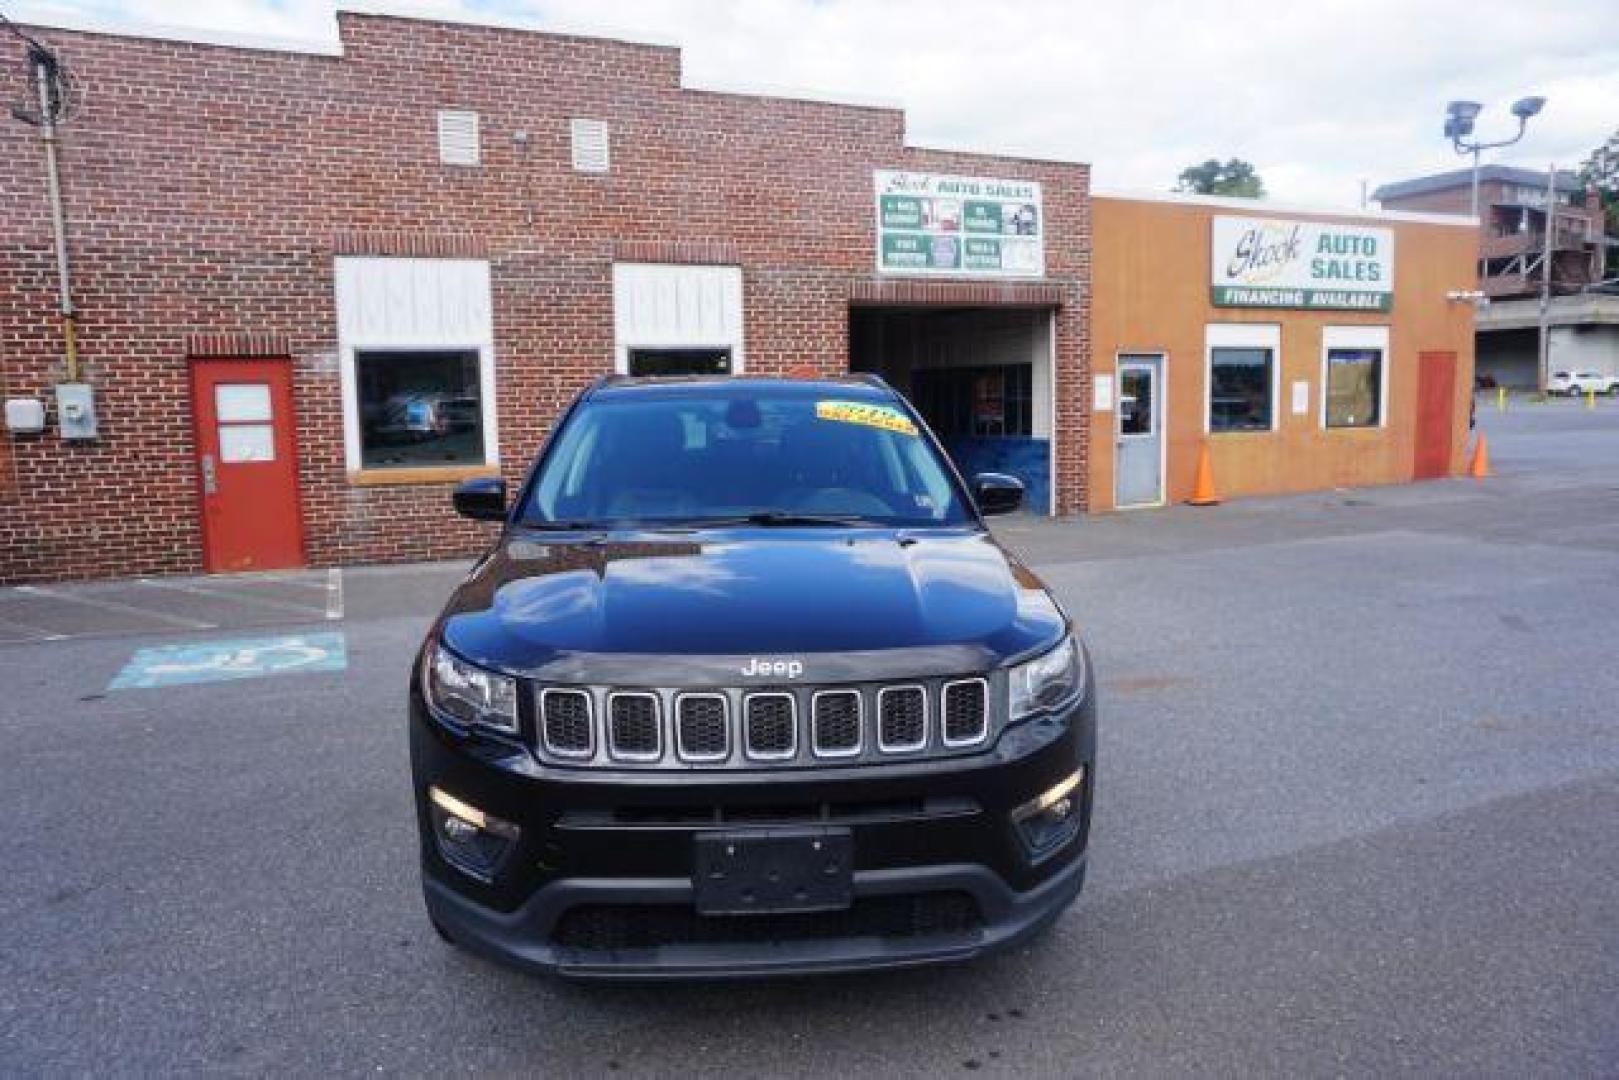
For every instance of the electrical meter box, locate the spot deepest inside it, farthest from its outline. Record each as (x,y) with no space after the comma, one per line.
(76,410)
(25,416)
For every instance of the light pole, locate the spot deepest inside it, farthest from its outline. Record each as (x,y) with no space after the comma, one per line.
(1459,118)
(1548,248)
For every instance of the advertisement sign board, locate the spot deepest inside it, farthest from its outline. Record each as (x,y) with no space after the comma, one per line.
(1269,262)
(964,226)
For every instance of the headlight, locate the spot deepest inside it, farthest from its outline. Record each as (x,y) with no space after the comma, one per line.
(468,693)
(1047,680)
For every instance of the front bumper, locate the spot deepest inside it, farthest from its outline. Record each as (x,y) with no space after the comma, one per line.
(599,883)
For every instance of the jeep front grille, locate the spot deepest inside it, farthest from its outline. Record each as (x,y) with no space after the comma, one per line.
(966,712)
(771,732)
(837,723)
(616,927)
(902,719)
(632,726)
(753,727)
(565,723)
(702,730)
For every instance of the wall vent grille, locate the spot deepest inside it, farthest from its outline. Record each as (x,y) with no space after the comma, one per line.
(591,148)
(457,137)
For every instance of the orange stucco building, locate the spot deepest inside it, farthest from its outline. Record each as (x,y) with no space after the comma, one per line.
(1307,349)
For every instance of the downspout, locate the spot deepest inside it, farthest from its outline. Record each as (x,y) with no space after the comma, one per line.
(53,179)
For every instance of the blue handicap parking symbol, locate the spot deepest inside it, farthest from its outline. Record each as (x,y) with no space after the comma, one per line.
(239,658)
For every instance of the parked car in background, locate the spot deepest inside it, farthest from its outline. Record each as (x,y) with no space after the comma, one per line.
(1577,383)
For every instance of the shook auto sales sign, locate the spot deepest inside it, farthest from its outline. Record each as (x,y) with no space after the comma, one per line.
(960,225)
(1269,262)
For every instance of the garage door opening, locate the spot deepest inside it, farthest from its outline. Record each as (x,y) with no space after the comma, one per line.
(981,377)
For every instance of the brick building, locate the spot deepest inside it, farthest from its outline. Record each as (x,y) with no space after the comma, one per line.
(1512,224)
(1515,213)
(316,289)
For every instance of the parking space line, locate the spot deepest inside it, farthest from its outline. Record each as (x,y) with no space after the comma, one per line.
(113,605)
(35,633)
(277,579)
(309,611)
(334,593)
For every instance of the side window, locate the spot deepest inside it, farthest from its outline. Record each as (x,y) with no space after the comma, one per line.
(1354,383)
(419,407)
(1354,360)
(416,343)
(1240,382)
(1244,360)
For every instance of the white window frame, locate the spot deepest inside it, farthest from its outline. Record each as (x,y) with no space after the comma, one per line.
(1242,336)
(414,305)
(1356,337)
(724,282)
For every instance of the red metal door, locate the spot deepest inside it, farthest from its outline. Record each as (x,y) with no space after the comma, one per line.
(247,464)
(1436,414)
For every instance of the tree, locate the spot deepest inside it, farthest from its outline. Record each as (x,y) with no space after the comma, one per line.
(1235,177)
(1601,171)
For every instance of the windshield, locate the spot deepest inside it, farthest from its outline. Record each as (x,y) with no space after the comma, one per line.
(739,453)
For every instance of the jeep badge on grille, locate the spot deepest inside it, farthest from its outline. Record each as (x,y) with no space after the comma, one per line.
(760,667)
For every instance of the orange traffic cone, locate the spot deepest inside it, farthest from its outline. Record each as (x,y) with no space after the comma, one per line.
(1480,468)
(1203,491)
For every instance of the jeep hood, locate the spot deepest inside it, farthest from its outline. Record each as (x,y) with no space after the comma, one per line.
(691,608)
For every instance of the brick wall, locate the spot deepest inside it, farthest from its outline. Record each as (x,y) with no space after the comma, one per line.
(209,188)
(1459,200)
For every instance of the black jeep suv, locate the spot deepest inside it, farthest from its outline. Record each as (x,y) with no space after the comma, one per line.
(746,687)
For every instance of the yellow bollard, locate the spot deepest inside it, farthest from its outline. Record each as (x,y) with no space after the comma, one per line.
(1500,399)
(1590,398)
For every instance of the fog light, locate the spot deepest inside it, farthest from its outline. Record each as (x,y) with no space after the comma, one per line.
(470,840)
(1048,821)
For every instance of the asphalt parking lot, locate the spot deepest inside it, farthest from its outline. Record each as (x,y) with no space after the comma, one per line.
(1358,813)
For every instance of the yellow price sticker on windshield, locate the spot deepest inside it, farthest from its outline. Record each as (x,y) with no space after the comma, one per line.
(856,412)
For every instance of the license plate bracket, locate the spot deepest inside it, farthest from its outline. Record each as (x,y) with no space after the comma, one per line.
(773,871)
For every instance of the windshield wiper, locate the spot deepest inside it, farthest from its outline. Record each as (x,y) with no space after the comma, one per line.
(783,518)
(567,526)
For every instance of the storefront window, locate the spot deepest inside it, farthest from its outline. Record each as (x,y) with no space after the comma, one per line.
(1354,387)
(419,408)
(1240,389)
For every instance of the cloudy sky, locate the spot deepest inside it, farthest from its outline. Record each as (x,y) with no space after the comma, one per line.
(1318,94)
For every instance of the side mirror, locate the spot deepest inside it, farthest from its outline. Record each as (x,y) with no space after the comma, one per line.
(997,493)
(483,499)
